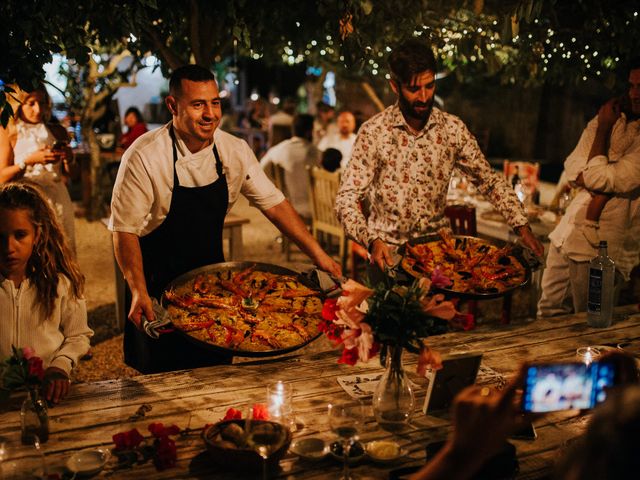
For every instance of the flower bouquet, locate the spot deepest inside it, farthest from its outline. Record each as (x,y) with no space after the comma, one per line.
(388,319)
(23,371)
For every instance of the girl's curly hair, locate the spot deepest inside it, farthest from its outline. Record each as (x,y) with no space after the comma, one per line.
(51,255)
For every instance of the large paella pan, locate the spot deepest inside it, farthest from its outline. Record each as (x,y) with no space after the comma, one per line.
(478,268)
(245,308)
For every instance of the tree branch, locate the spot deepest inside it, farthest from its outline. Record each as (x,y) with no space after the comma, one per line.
(172,58)
(371,93)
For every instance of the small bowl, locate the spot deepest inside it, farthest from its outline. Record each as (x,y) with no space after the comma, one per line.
(356,453)
(88,462)
(228,455)
(384,451)
(310,448)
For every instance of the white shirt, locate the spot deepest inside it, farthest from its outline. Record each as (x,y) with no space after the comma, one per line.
(60,340)
(337,141)
(143,187)
(294,155)
(620,219)
(33,137)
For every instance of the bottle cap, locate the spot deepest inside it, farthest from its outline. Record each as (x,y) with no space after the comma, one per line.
(603,243)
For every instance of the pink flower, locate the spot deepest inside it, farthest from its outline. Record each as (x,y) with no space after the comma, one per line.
(438,279)
(437,307)
(464,321)
(159,430)
(425,285)
(260,412)
(28,352)
(329,309)
(166,454)
(352,305)
(428,358)
(127,440)
(35,368)
(360,339)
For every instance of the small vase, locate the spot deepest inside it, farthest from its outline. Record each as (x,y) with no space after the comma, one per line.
(34,419)
(393,399)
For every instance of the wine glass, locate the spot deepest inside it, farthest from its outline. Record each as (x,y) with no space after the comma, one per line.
(346,420)
(264,436)
(22,462)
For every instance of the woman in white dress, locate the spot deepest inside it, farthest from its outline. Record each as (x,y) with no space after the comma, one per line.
(35,151)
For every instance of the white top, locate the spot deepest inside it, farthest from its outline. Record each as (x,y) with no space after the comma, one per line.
(345,145)
(294,155)
(620,219)
(60,340)
(143,187)
(32,137)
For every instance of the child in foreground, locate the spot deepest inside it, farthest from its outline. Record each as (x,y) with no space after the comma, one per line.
(41,302)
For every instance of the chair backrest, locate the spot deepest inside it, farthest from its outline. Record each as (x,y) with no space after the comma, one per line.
(529,172)
(323,190)
(462,218)
(278,133)
(277,174)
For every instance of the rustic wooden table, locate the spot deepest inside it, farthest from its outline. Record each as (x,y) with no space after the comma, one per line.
(94,412)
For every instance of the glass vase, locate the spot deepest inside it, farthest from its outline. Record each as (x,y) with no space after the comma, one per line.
(393,399)
(34,419)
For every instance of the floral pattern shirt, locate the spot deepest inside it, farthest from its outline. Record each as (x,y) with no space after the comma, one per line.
(404,178)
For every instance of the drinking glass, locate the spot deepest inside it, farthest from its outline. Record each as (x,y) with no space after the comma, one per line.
(346,420)
(22,462)
(587,354)
(264,436)
(280,403)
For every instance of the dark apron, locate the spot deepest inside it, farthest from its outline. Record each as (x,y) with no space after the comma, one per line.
(189,237)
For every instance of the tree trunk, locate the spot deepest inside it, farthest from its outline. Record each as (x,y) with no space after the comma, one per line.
(371,93)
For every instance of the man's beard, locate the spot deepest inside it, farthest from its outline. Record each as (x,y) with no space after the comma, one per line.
(408,108)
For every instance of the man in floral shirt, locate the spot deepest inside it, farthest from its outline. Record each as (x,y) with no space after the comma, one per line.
(403,159)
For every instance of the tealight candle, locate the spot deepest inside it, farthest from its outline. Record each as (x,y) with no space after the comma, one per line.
(587,354)
(279,397)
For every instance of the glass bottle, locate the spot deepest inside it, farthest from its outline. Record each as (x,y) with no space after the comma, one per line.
(34,418)
(601,288)
(393,400)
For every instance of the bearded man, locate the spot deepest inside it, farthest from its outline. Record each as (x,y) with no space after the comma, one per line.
(403,159)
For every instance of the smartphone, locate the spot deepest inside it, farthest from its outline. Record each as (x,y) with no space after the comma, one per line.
(527,432)
(551,387)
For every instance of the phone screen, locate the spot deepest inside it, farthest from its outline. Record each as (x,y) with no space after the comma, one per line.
(566,386)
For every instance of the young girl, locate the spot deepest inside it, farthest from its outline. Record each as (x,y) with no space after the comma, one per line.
(41,303)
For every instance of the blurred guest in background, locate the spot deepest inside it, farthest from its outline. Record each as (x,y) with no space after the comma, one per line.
(331,159)
(323,124)
(294,155)
(135,127)
(281,122)
(32,149)
(343,139)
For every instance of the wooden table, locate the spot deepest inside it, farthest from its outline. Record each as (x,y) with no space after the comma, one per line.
(94,412)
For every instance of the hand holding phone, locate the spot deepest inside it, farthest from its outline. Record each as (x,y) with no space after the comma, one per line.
(566,386)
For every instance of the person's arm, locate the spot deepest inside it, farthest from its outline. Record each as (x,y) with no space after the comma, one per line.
(494,186)
(355,182)
(126,247)
(8,170)
(289,222)
(76,331)
(482,420)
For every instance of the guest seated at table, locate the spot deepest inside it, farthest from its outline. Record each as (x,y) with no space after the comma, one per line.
(343,139)
(403,159)
(41,302)
(135,127)
(483,419)
(331,159)
(33,149)
(605,160)
(174,188)
(295,155)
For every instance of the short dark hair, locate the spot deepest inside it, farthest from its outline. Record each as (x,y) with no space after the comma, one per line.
(331,159)
(411,57)
(634,64)
(323,107)
(302,125)
(195,73)
(136,112)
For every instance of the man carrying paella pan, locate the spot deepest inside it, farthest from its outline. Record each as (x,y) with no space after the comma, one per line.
(174,188)
(403,159)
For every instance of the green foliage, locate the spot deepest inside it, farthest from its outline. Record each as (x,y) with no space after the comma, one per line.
(397,317)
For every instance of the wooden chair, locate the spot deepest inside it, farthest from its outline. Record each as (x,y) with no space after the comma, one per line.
(463,222)
(322,197)
(277,174)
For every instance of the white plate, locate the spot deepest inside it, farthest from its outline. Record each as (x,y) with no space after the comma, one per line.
(88,462)
(310,448)
(373,450)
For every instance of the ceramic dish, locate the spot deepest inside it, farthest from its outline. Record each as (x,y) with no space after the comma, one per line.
(384,451)
(356,452)
(88,462)
(310,448)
